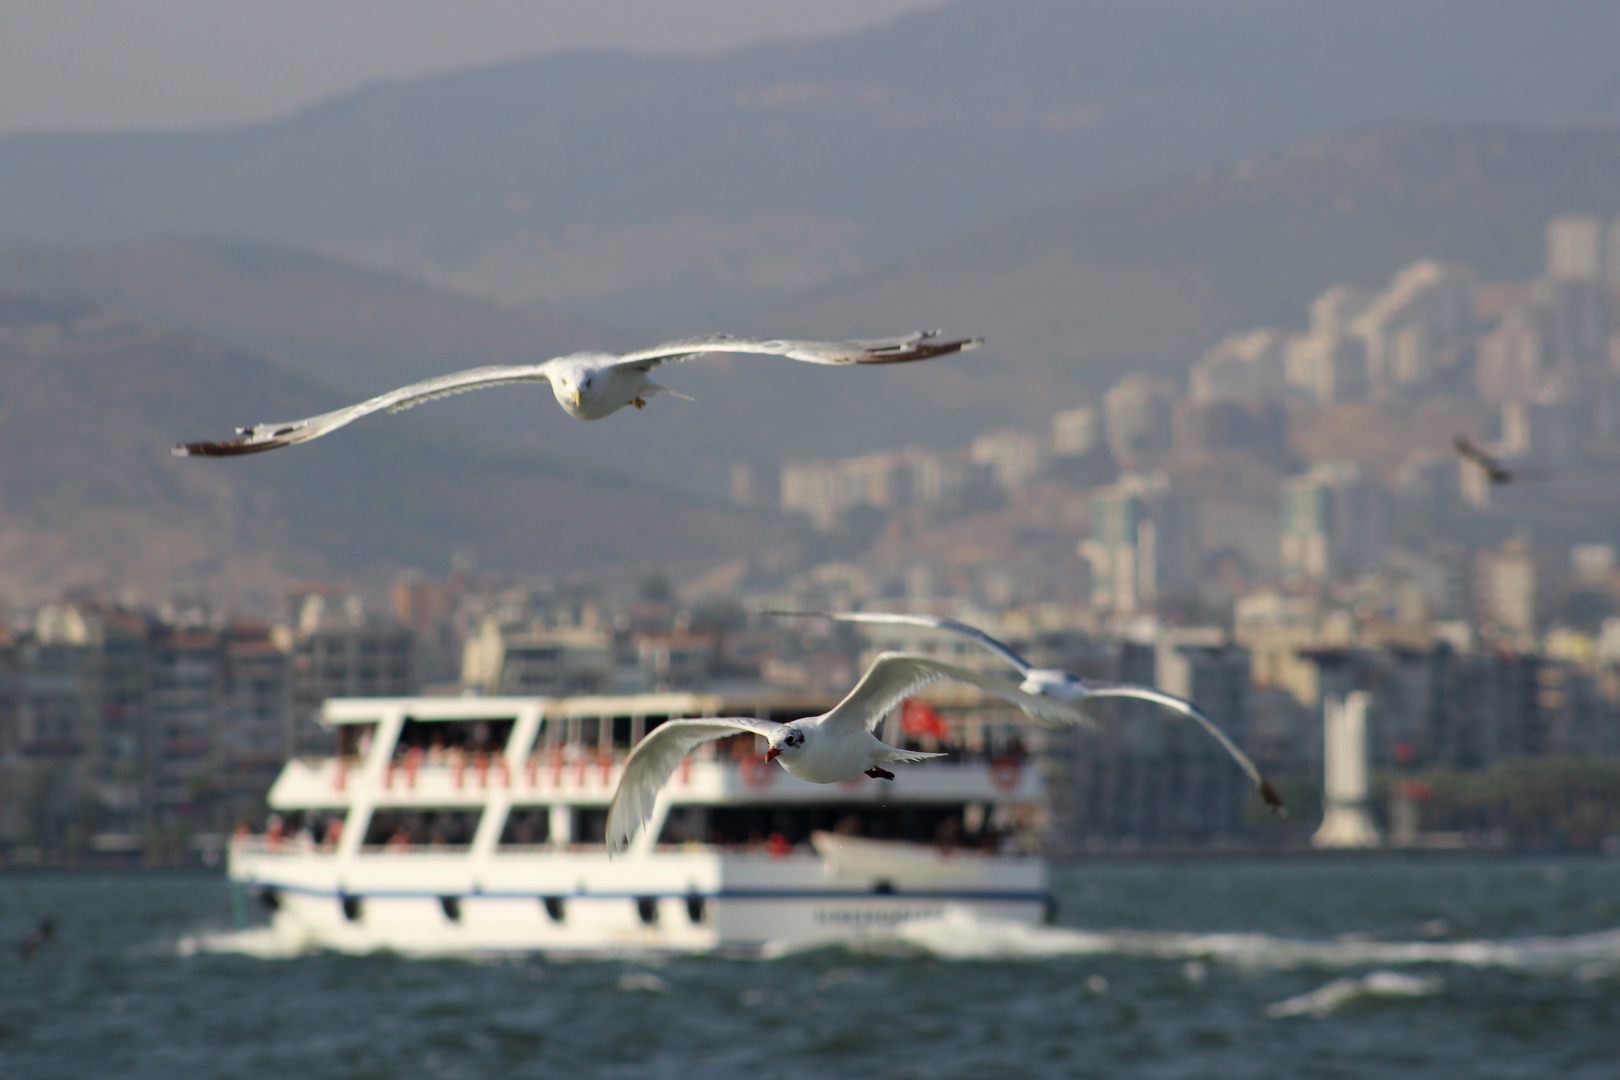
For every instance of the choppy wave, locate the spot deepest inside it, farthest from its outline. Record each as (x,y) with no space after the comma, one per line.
(957,934)
(1325,1000)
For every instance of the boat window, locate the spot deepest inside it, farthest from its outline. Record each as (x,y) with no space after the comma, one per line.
(354,740)
(323,828)
(590,825)
(590,733)
(526,826)
(685,825)
(621,732)
(438,737)
(421,829)
(737,747)
(941,823)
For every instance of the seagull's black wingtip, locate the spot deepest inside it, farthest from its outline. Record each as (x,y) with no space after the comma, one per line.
(231,448)
(1274,801)
(926,347)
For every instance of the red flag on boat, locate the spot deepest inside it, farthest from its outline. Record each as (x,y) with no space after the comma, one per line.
(917,719)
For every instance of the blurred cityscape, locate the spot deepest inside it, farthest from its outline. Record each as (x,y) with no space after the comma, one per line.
(1294,525)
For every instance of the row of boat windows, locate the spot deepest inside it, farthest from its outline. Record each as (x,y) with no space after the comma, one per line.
(555,907)
(595,734)
(528,826)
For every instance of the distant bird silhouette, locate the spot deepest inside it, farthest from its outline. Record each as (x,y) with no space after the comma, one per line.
(38,936)
(1495,471)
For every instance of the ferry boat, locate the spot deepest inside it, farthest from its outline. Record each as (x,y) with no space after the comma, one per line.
(476,824)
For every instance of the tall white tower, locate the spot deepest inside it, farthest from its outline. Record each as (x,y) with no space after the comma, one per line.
(1345,823)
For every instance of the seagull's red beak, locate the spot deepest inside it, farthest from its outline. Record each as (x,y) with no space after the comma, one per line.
(770,755)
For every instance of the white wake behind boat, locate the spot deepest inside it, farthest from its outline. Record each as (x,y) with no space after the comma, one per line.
(473,825)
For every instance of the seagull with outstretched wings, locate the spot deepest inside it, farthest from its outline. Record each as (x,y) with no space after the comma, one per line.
(1061,685)
(588,386)
(838,745)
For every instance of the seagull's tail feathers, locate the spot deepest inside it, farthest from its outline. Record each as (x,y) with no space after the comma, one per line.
(649,387)
(894,753)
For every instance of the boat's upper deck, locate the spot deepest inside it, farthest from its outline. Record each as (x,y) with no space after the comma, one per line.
(462,751)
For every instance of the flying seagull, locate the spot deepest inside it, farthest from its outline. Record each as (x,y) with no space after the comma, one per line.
(1495,471)
(837,745)
(1061,685)
(588,386)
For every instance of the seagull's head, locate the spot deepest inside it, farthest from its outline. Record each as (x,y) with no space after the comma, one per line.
(1053,683)
(787,742)
(575,389)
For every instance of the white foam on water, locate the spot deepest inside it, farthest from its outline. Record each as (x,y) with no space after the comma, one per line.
(260,942)
(644,981)
(1325,1000)
(958,934)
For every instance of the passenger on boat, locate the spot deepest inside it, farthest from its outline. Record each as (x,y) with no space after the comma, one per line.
(400,840)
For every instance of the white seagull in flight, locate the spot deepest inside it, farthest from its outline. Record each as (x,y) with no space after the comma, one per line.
(1061,685)
(837,745)
(588,386)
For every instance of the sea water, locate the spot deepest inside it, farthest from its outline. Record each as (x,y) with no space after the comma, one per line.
(1369,966)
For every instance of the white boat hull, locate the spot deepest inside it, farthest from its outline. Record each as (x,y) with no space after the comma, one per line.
(674,902)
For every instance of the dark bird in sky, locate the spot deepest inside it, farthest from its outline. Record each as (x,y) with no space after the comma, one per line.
(38,936)
(1495,471)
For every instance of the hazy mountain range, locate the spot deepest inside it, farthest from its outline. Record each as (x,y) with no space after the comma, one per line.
(665,192)
(1069,297)
(1047,174)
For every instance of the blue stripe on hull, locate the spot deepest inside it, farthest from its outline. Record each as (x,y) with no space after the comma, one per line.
(723,894)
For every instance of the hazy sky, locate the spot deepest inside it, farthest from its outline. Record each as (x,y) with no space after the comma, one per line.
(109,64)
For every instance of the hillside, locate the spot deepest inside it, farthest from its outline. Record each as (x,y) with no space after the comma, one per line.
(90,495)
(1140,278)
(667,191)
(1148,277)
(338,322)
(358,332)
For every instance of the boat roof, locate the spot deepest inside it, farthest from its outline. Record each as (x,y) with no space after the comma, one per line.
(339,711)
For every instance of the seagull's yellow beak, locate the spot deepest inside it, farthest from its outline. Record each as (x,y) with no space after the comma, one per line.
(577,395)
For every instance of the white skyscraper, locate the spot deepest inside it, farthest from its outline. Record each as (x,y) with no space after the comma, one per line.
(1332,522)
(1144,542)
(1140,414)
(1575,248)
